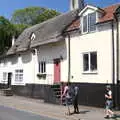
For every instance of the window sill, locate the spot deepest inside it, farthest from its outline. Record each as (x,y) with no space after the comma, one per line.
(90,72)
(84,33)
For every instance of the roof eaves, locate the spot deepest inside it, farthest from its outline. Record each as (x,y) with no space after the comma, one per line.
(101,22)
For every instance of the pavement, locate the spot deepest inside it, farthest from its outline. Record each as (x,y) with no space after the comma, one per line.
(39,107)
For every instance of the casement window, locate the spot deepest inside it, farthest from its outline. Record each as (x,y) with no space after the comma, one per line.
(19,75)
(89,22)
(32,36)
(90,61)
(42,67)
(4,76)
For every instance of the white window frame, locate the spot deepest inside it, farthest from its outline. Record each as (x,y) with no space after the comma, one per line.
(33,36)
(19,75)
(89,62)
(88,22)
(42,67)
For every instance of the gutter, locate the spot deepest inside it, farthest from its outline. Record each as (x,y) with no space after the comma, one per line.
(69,58)
(116,90)
(117,61)
(117,49)
(113,54)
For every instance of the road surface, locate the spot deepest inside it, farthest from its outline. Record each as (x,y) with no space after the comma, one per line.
(7,113)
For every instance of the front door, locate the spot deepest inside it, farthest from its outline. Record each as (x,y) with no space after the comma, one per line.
(9,79)
(56,70)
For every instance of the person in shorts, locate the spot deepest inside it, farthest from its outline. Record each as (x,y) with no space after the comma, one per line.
(109,102)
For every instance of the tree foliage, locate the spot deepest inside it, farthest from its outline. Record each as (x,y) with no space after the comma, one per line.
(20,20)
(47,14)
(32,15)
(19,29)
(6,31)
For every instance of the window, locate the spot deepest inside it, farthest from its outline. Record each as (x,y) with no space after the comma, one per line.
(42,67)
(90,61)
(32,36)
(4,76)
(85,24)
(89,22)
(19,75)
(92,22)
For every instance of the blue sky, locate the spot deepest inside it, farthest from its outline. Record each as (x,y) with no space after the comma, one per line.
(7,7)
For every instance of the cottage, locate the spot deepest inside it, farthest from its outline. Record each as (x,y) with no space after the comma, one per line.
(80,46)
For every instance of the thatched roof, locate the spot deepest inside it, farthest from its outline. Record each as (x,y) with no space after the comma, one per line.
(46,32)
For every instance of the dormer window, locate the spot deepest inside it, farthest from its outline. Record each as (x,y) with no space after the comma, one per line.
(32,37)
(88,23)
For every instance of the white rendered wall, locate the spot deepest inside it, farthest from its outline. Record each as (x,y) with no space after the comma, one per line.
(48,53)
(101,42)
(24,61)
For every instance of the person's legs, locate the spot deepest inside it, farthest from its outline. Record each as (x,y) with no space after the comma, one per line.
(109,112)
(67,105)
(76,109)
(106,109)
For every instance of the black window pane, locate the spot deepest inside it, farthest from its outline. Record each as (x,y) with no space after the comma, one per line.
(39,67)
(85,62)
(93,57)
(85,24)
(42,67)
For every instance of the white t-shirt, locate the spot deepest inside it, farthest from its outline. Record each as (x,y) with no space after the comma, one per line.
(110,93)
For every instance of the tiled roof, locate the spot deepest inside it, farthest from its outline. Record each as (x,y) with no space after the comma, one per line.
(109,13)
(75,25)
(107,16)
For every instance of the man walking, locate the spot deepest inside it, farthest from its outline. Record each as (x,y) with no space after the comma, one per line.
(75,99)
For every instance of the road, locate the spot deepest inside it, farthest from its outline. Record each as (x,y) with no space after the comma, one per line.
(7,113)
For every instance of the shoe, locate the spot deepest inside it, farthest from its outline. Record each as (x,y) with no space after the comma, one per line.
(107,117)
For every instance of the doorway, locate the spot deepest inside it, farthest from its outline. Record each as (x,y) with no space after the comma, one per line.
(57,70)
(9,79)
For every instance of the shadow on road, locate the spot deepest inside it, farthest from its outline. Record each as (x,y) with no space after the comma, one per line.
(81,112)
(116,117)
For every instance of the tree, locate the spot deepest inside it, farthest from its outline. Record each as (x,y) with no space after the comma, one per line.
(47,14)
(32,15)
(6,32)
(19,29)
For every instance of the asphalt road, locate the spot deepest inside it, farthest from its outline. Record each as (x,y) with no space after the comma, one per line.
(7,113)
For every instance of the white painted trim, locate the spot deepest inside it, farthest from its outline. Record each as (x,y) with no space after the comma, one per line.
(90,7)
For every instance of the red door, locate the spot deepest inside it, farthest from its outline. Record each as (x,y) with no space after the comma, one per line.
(56,70)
